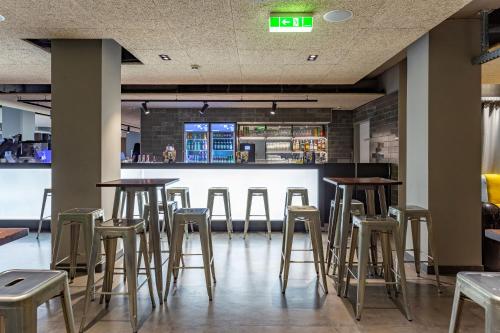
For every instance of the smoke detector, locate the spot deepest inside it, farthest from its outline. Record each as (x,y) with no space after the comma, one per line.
(195,67)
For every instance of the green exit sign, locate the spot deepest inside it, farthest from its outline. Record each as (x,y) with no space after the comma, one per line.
(291,23)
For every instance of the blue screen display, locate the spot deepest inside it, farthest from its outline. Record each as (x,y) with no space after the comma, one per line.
(196,127)
(222,127)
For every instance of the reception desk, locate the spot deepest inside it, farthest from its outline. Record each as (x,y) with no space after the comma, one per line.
(23,184)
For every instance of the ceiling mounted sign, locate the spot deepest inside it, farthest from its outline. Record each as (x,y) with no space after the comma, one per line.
(290,22)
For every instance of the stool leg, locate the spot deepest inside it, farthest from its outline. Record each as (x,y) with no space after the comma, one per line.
(210,243)
(400,260)
(415,234)
(288,249)
(69,319)
(89,291)
(433,251)
(386,255)
(188,205)
(130,250)
(283,246)
(205,250)
(247,216)
(173,252)
(230,214)
(178,257)
(332,221)
(227,210)
(41,214)
(166,217)
(110,267)
(268,220)
(313,236)
(314,228)
(456,311)
(144,251)
(87,241)
(284,212)
(363,246)
(75,238)
(123,198)
(210,203)
(140,203)
(57,245)
(15,322)
(352,250)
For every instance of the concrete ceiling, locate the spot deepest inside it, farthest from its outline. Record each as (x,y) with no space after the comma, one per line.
(227,38)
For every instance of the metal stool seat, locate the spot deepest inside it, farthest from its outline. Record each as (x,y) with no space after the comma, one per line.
(257,192)
(22,291)
(223,192)
(291,192)
(482,288)
(46,193)
(200,217)
(76,218)
(365,226)
(417,214)
(185,199)
(109,232)
(311,214)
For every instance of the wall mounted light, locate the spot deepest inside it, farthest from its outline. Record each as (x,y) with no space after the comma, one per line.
(144,108)
(204,108)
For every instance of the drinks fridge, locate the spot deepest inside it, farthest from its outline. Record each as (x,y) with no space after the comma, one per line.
(196,143)
(222,142)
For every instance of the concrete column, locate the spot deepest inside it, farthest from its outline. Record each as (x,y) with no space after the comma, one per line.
(17,121)
(86,123)
(443,148)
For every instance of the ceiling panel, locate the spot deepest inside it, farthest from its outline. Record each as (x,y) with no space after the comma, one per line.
(229,39)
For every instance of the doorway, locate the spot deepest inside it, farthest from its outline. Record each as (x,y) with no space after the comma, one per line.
(362,142)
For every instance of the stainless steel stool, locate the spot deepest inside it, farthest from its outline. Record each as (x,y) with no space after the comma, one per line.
(109,232)
(167,218)
(357,209)
(201,217)
(482,288)
(140,196)
(257,192)
(366,226)
(292,192)
(311,215)
(22,291)
(224,193)
(416,215)
(76,218)
(46,193)
(183,194)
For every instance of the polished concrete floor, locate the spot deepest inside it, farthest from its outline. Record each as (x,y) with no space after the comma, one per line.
(248,298)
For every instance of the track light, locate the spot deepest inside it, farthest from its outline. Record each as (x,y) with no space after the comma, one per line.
(128,129)
(273,109)
(204,108)
(145,109)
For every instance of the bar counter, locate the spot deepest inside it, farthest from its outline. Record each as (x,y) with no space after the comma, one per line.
(23,184)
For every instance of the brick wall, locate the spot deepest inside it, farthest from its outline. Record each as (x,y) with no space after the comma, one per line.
(165,126)
(384,142)
(383,116)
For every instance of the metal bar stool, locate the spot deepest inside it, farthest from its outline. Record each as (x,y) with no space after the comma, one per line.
(311,215)
(224,193)
(140,196)
(183,194)
(415,215)
(366,226)
(357,209)
(22,291)
(109,232)
(46,193)
(201,217)
(292,192)
(257,192)
(76,218)
(167,218)
(482,288)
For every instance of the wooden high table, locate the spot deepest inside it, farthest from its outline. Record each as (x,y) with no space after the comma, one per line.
(347,184)
(130,187)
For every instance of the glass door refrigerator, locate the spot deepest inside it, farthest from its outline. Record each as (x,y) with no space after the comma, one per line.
(196,143)
(222,136)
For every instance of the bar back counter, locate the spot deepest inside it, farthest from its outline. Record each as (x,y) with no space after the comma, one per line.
(23,185)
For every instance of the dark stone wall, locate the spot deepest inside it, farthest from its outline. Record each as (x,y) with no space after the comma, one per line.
(164,126)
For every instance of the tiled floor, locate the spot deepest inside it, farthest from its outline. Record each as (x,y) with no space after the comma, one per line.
(248,298)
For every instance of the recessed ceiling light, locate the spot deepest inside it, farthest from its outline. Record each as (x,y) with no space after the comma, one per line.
(164,57)
(312,57)
(338,15)
(2,18)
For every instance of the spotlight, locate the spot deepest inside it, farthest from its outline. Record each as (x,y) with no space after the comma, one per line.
(273,109)
(145,109)
(128,129)
(204,108)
